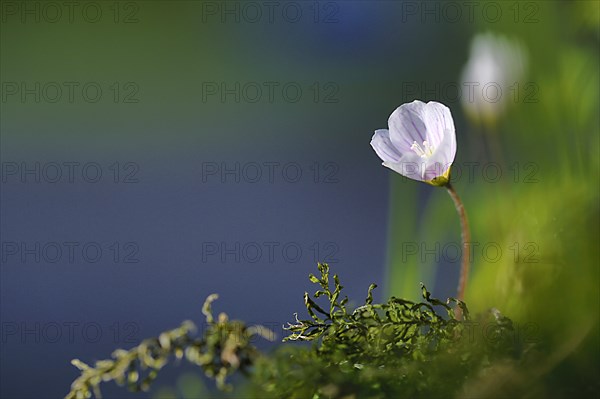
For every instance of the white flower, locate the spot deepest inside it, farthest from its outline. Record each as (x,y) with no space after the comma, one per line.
(420,143)
(492,76)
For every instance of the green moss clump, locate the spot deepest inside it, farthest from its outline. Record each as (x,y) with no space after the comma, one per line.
(400,349)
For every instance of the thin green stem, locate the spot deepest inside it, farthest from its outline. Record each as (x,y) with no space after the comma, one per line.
(466,242)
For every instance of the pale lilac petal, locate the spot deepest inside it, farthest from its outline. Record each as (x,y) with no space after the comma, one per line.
(442,157)
(438,121)
(407,126)
(383,146)
(410,165)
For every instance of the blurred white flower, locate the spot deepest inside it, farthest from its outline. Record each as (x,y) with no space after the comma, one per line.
(493,72)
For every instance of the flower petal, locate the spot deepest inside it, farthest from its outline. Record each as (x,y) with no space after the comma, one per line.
(410,165)
(383,146)
(407,126)
(442,158)
(438,121)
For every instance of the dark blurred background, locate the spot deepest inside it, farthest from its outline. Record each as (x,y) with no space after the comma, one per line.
(156,152)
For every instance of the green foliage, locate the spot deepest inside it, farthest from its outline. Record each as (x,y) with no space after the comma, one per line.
(395,349)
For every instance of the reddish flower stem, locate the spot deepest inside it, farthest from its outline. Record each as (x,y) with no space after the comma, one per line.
(466,242)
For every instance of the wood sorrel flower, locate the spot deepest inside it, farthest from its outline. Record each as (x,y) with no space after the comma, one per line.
(420,143)
(495,68)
